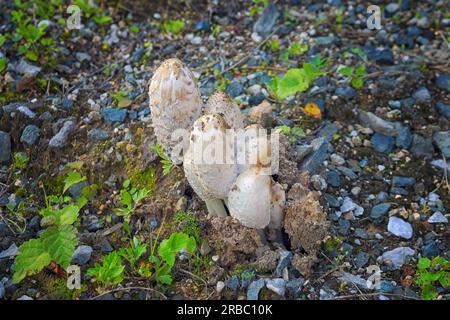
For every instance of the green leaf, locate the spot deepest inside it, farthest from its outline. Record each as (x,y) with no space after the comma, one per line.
(429,292)
(295,80)
(31,55)
(32,259)
(177,242)
(126,198)
(110,272)
(134,29)
(103,19)
(3,62)
(2,40)
(360,71)
(423,263)
(60,243)
(65,216)
(346,71)
(297,48)
(165,279)
(71,179)
(357,83)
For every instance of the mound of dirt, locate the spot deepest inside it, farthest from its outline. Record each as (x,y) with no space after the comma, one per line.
(231,241)
(306,223)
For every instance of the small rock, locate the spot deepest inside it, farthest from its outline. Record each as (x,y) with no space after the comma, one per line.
(400,228)
(438,217)
(294,287)
(392,7)
(350,278)
(220,286)
(315,160)
(82,56)
(266,22)
(361,259)
(422,95)
(82,255)
(5,147)
(30,134)
(60,139)
(398,256)
(318,182)
(233,283)
(97,135)
(26,111)
(25,68)
(111,115)
(398,181)
(430,250)
(379,211)
(283,262)
(381,56)
(377,124)
(345,92)
(235,89)
(337,159)
(404,137)
(382,143)
(442,140)
(348,205)
(12,251)
(443,109)
(443,81)
(333,178)
(422,147)
(277,285)
(25,297)
(254,288)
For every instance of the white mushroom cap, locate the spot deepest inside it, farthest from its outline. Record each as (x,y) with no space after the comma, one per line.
(220,102)
(249,200)
(175,103)
(211,177)
(256,147)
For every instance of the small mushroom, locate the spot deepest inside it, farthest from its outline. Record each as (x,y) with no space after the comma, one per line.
(220,102)
(278,201)
(249,200)
(205,166)
(175,103)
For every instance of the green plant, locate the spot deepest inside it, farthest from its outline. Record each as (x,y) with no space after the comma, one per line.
(297,48)
(173,26)
(130,198)
(431,272)
(166,163)
(275,44)
(110,272)
(20,161)
(57,242)
(297,79)
(293,133)
(133,252)
(356,75)
(90,10)
(188,224)
(257,7)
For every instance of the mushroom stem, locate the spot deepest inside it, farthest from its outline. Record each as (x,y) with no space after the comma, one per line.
(216,208)
(262,235)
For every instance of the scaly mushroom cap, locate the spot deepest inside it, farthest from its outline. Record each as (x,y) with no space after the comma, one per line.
(220,102)
(249,200)
(175,103)
(209,178)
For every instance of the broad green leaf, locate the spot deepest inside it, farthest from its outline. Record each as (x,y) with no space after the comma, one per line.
(346,71)
(71,179)
(177,242)
(295,80)
(357,83)
(360,71)
(68,215)
(165,279)
(60,243)
(76,165)
(32,259)
(423,263)
(126,198)
(429,292)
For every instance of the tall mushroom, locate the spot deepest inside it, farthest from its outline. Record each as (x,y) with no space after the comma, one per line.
(255,199)
(205,166)
(175,103)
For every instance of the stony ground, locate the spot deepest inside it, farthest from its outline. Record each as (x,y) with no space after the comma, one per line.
(376,189)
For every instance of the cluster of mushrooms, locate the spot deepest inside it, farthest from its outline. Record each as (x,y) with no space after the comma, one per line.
(251,196)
